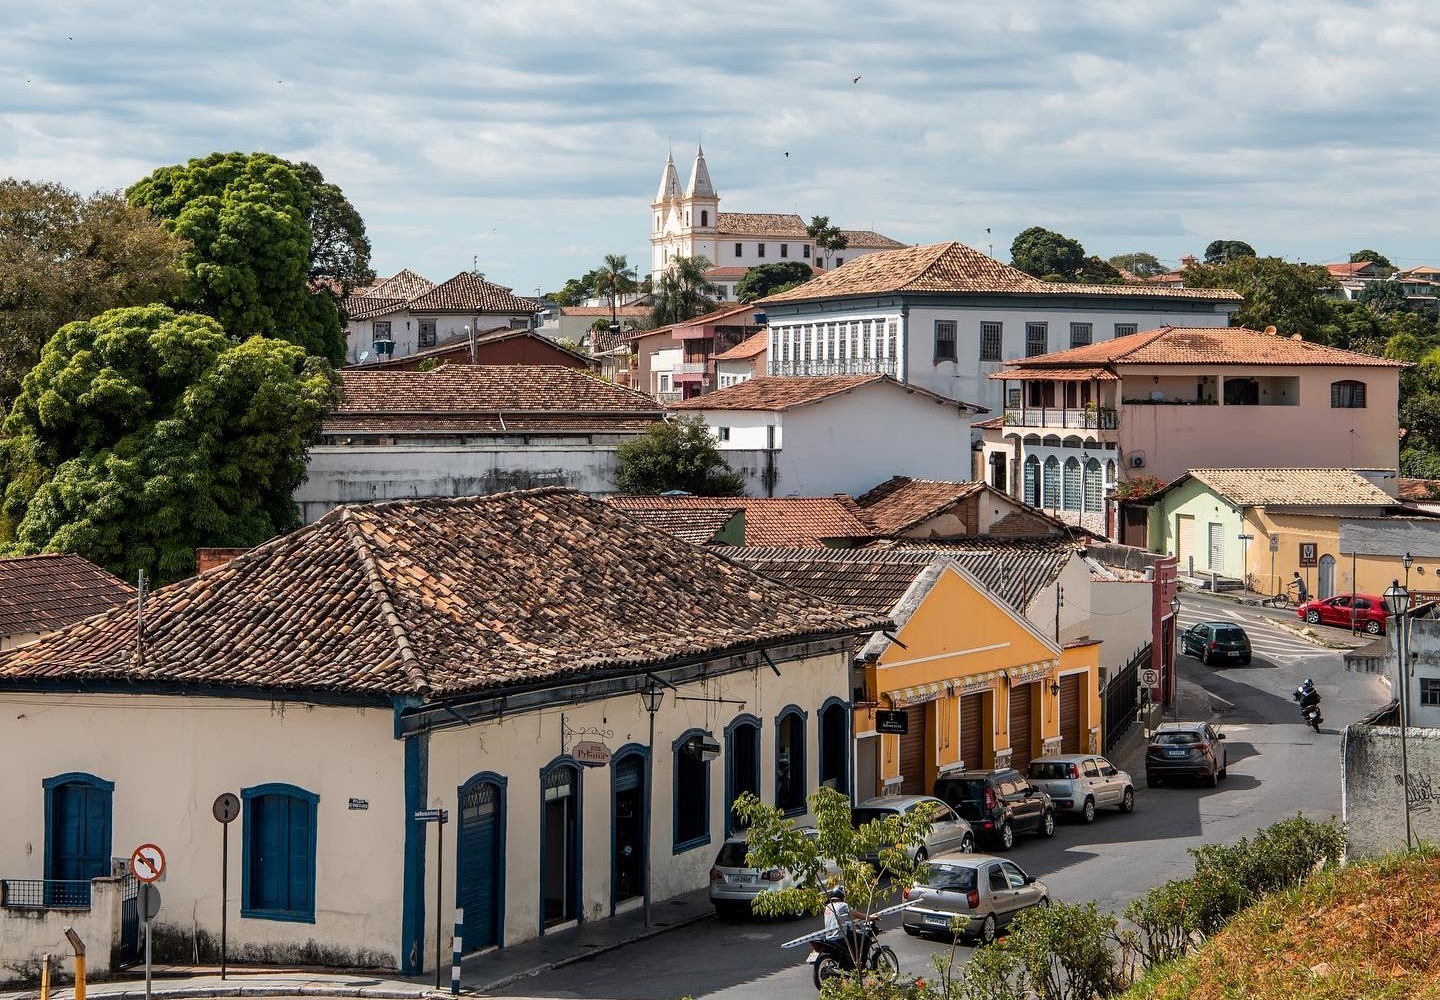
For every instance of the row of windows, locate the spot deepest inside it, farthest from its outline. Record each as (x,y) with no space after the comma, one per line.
(784,251)
(1069,487)
(1037,338)
(856,340)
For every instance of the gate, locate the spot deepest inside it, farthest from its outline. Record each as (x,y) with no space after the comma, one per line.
(1121,698)
(130,950)
(479,890)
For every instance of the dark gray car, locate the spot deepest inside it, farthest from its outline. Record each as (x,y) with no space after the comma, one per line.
(974,895)
(1185,750)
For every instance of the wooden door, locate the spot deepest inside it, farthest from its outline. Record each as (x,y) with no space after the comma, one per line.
(972,732)
(914,753)
(1070,686)
(1021,705)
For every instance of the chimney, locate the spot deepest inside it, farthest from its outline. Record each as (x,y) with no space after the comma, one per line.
(209,558)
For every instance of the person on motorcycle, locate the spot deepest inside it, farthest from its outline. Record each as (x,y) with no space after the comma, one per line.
(1306,695)
(844,927)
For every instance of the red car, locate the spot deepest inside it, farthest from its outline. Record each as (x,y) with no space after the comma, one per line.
(1367,611)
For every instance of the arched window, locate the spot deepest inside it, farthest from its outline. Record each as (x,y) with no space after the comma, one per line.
(1072,484)
(1052,483)
(277,862)
(692,791)
(1347,394)
(790,760)
(1109,476)
(1032,481)
(1052,440)
(835,745)
(704,217)
(1094,485)
(742,765)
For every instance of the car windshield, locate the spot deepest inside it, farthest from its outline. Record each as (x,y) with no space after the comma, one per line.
(1229,635)
(732,855)
(1049,769)
(958,879)
(861,815)
(1176,739)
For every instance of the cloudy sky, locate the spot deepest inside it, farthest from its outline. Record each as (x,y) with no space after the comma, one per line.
(530,135)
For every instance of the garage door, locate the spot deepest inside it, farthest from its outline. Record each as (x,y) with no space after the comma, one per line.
(1070,686)
(1184,540)
(914,752)
(1020,702)
(972,735)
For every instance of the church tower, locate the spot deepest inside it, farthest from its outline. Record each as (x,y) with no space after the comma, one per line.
(667,218)
(701,210)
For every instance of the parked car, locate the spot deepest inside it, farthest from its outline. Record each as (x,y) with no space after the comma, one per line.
(1185,750)
(1366,611)
(1080,783)
(999,804)
(975,893)
(949,832)
(734,885)
(1216,642)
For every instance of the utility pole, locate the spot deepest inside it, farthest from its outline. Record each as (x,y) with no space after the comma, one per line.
(1059,600)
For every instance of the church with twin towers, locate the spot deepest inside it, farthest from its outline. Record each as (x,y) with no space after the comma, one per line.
(687,222)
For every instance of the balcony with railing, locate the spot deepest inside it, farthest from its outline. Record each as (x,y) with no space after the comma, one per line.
(1090,418)
(689,367)
(856,366)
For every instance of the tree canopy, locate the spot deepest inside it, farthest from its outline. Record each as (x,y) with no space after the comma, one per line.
(828,239)
(1045,254)
(682,291)
(1286,296)
(614,278)
(66,256)
(339,248)
(143,433)
(676,455)
(1139,263)
(247,219)
(1220,251)
(1374,257)
(768,279)
(1383,297)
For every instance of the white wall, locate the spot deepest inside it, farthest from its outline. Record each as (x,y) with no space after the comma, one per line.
(1120,618)
(405,330)
(1075,606)
(1373,796)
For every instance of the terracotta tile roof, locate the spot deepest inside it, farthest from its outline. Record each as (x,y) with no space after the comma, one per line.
(786,521)
(784,392)
(1419,489)
(902,502)
(957,268)
(458,349)
(362,307)
(46,592)
(485,389)
(1349,269)
(1058,375)
(470,293)
(752,346)
(403,284)
(993,424)
(697,526)
(430,425)
(1179,345)
(759,224)
(1293,487)
(631,311)
(864,239)
(437,598)
(725,273)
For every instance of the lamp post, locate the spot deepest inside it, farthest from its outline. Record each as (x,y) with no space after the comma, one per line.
(1399,599)
(651,696)
(1174,653)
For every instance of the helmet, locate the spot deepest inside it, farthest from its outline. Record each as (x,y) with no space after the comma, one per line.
(1308,683)
(837,894)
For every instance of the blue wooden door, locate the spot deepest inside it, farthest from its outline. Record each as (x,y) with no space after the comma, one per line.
(478,878)
(79,840)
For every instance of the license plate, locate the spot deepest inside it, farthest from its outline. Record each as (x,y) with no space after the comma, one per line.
(1235,653)
(1175,753)
(742,879)
(937,920)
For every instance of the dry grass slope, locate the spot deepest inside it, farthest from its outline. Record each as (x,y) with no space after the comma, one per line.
(1368,930)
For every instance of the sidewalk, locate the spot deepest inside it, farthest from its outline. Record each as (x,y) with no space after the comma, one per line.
(176,982)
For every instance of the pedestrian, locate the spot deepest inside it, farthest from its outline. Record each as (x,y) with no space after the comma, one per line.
(1302,592)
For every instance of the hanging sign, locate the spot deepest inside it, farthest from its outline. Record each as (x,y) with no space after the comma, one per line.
(589,753)
(892,722)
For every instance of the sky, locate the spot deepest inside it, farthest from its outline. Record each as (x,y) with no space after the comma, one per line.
(527,138)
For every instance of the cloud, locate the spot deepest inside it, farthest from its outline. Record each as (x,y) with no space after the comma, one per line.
(531,134)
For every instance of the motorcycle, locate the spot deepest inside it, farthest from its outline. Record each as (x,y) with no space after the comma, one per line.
(835,958)
(1309,709)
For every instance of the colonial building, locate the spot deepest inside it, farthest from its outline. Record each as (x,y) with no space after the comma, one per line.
(480,657)
(407,313)
(945,317)
(687,222)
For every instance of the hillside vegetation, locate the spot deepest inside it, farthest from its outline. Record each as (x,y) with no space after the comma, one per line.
(1365,930)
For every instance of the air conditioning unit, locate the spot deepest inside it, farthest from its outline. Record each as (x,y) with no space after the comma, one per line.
(1137,461)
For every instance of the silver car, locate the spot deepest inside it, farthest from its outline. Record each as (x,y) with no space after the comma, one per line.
(974,895)
(950,831)
(734,886)
(1080,783)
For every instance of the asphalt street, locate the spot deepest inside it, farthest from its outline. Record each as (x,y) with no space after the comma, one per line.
(1278,767)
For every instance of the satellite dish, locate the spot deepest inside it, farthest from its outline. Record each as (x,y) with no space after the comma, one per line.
(1270,330)
(363,356)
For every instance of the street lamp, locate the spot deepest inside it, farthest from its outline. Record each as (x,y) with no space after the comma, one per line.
(1175,654)
(1399,599)
(652,695)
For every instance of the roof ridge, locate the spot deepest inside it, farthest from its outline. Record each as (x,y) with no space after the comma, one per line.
(413,666)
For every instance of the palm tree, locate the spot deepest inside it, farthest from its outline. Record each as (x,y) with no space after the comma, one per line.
(682,293)
(613,279)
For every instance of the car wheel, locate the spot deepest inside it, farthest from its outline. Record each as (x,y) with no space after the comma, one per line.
(1044,902)
(922,855)
(1245,662)
(1007,835)
(967,846)
(1372,627)
(1087,812)
(1224,768)
(1047,821)
(987,930)
(1205,658)
(1313,617)
(1127,801)
(1213,778)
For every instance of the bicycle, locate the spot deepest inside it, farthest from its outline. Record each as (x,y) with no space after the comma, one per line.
(1280,600)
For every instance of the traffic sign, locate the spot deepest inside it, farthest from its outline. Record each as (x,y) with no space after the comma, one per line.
(226,807)
(148,901)
(147,862)
(1246,538)
(1150,678)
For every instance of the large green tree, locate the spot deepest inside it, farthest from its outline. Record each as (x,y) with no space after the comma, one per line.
(828,239)
(1290,297)
(66,256)
(246,217)
(1139,263)
(1045,254)
(1383,297)
(682,291)
(613,279)
(768,279)
(339,247)
(1220,251)
(1374,257)
(677,454)
(144,433)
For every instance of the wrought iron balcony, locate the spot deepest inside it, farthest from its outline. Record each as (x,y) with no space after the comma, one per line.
(1092,418)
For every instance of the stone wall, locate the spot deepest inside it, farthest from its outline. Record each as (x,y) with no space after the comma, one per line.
(1372,792)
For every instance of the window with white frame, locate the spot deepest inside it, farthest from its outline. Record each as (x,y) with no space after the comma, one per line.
(892,341)
(805,251)
(1347,394)
(381,330)
(990,341)
(722,433)
(1012,396)
(945,341)
(1037,339)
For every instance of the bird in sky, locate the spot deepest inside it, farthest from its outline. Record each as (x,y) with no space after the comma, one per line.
(787,156)
(855,80)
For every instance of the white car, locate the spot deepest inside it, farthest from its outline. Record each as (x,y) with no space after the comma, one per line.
(1080,783)
(734,886)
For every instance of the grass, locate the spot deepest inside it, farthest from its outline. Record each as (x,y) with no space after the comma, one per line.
(1367,930)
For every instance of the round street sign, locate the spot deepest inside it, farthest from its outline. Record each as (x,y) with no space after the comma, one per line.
(148,901)
(226,807)
(147,862)
(1150,678)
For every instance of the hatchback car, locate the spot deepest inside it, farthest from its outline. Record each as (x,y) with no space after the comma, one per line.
(1216,642)
(948,833)
(734,885)
(1080,783)
(999,804)
(973,894)
(1367,612)
(1185,750)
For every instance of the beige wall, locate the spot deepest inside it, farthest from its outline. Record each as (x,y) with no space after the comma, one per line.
(14,639)
(27,935)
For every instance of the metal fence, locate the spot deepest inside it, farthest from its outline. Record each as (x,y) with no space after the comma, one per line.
(44,894)
(1121,697)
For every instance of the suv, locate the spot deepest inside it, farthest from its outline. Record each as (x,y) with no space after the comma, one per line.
(1185,749)
(999,804)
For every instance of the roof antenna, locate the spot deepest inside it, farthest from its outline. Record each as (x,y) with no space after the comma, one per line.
(140,620)
(990,244)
